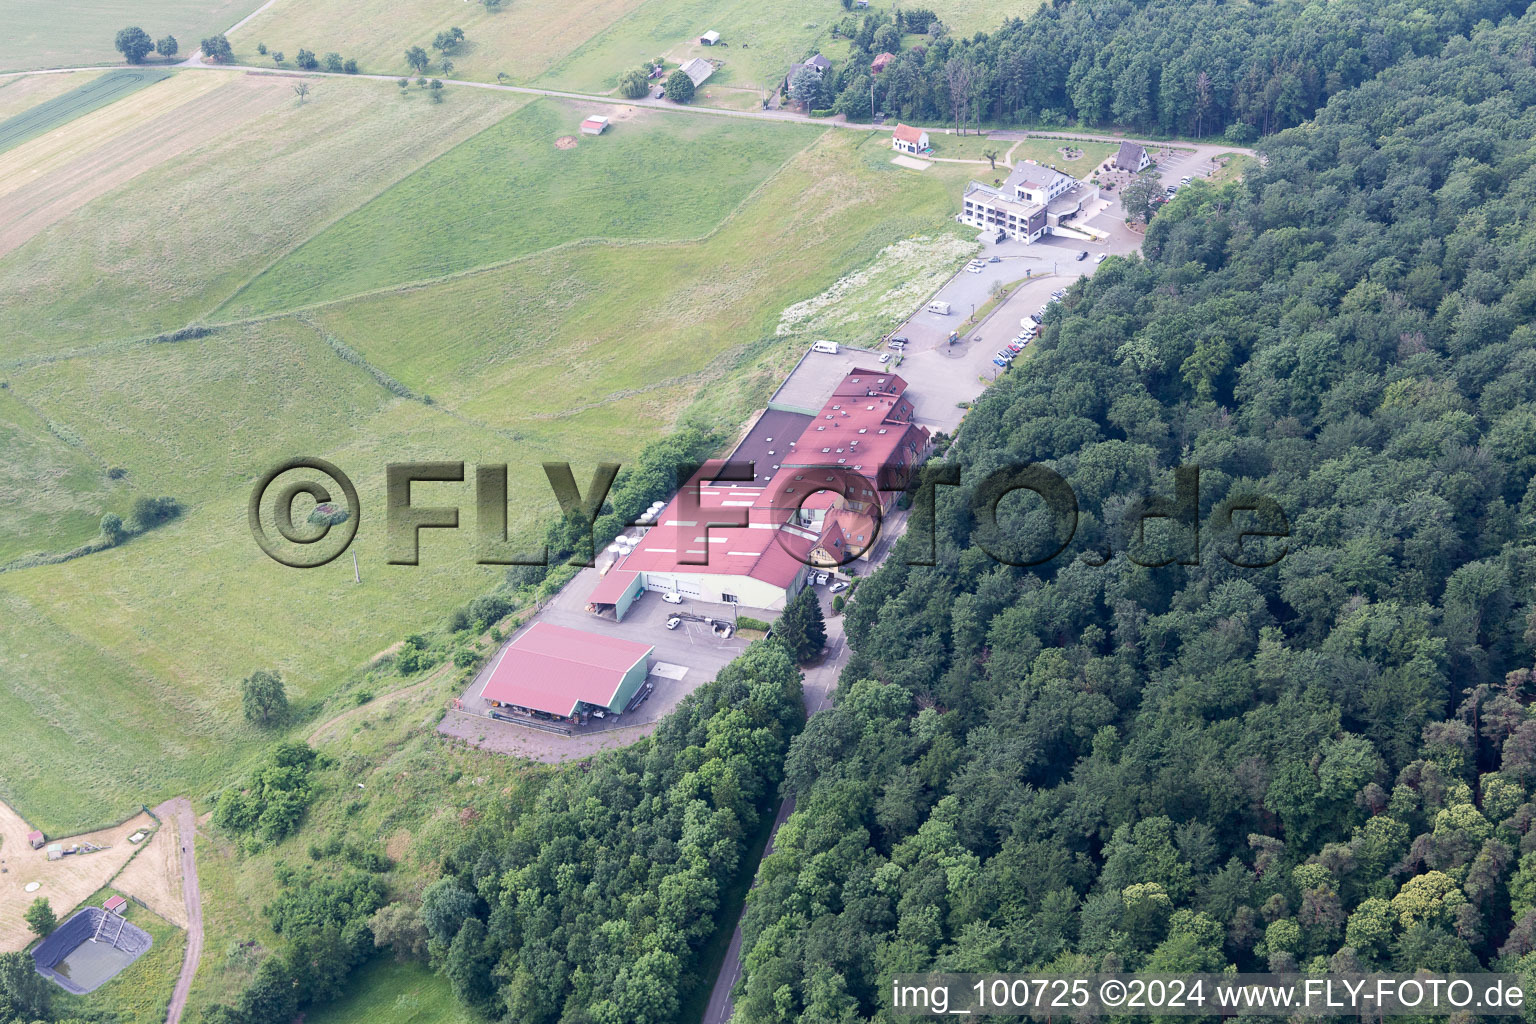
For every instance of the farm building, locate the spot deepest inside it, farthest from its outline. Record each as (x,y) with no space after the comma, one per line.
(55,851)
(594,125)
(878,64)
(1131,157)
(907,139)
(561,672)
(35,840)
(820,63)
(709,38)
(698,70)
(115,905)
(752,544)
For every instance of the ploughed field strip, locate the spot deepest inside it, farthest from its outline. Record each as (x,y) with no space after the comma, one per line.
(89,949)
(93,95)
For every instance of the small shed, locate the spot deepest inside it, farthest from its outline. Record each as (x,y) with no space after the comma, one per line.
(594,125)
(116,905)
(36,839)
(709,38)
(55,851)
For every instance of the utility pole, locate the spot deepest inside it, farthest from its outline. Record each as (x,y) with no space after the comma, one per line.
(871,96)
(356,576)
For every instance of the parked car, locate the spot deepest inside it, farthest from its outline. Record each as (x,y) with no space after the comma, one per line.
(1082,255)
(1185,180)
(999,362)
(995,259)
(674,622)
(1015,347)
(839,585)
(1100,257)
(897,343)
(1037,318)
(885,357)
(672,598)
(1005,355)
(973,270)
(1058,293)
(1171,189)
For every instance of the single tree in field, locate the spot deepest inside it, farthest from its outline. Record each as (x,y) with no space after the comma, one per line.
(262,695)
(417,58)
(349,66)
(261,48)
(134,44)
(447,65)
(277,56)
(333,63)
(633,84)
(40,917)
(991,155)
(449,39)
(679,87)
(166,46)
(112,528)
(403,83)
(306,59)
(217,49)
(437,90)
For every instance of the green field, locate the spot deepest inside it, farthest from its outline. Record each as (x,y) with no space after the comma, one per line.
(248,205)
(386,992)
(509,191)
(83,99)
(41,35)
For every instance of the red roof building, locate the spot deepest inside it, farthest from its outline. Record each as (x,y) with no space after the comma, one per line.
(115,905)
(906,139)
(556,670)
(739,543)
(35,840)
(878,64)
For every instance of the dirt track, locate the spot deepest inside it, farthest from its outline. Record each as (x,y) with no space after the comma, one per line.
(179,810)
(65,883)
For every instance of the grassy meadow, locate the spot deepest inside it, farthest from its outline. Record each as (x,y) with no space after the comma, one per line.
(39,35)
(391,993)
(19,93)
(509,191)
(255,187)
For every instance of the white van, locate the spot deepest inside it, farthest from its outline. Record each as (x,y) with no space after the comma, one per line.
(941,308)
(825,346)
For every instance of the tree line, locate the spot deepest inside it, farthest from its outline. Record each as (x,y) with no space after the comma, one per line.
(1326,765)
(1162,66)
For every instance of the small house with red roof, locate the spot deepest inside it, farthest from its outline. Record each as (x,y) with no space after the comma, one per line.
(115,905)
(879,63)
(907,139)
(36,840)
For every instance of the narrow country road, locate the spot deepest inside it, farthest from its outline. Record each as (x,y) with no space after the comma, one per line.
(180,809)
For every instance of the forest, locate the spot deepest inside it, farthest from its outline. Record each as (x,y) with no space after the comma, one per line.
(1197,69)
(593,902)
(1327,764)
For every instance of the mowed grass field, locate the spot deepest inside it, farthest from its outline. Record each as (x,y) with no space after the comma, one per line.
(46,35)
(180,235)
(120,670)
(510,191)
(582,45)
(94,92)
(521,40)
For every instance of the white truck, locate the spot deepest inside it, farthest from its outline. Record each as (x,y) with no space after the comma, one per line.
(825,346)
(941,308)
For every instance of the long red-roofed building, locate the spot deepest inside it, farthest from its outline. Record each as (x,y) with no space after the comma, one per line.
(739,543)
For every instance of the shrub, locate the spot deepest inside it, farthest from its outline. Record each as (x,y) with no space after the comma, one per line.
(679,88)
(306,60)
(149,513)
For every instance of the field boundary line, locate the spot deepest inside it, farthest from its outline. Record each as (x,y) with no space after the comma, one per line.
(243,285)
(575,243)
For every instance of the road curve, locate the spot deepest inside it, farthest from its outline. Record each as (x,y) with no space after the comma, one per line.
(180,809)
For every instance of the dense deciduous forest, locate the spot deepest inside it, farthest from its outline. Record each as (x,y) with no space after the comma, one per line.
(1153,65)
(592,903)
(1329,763)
